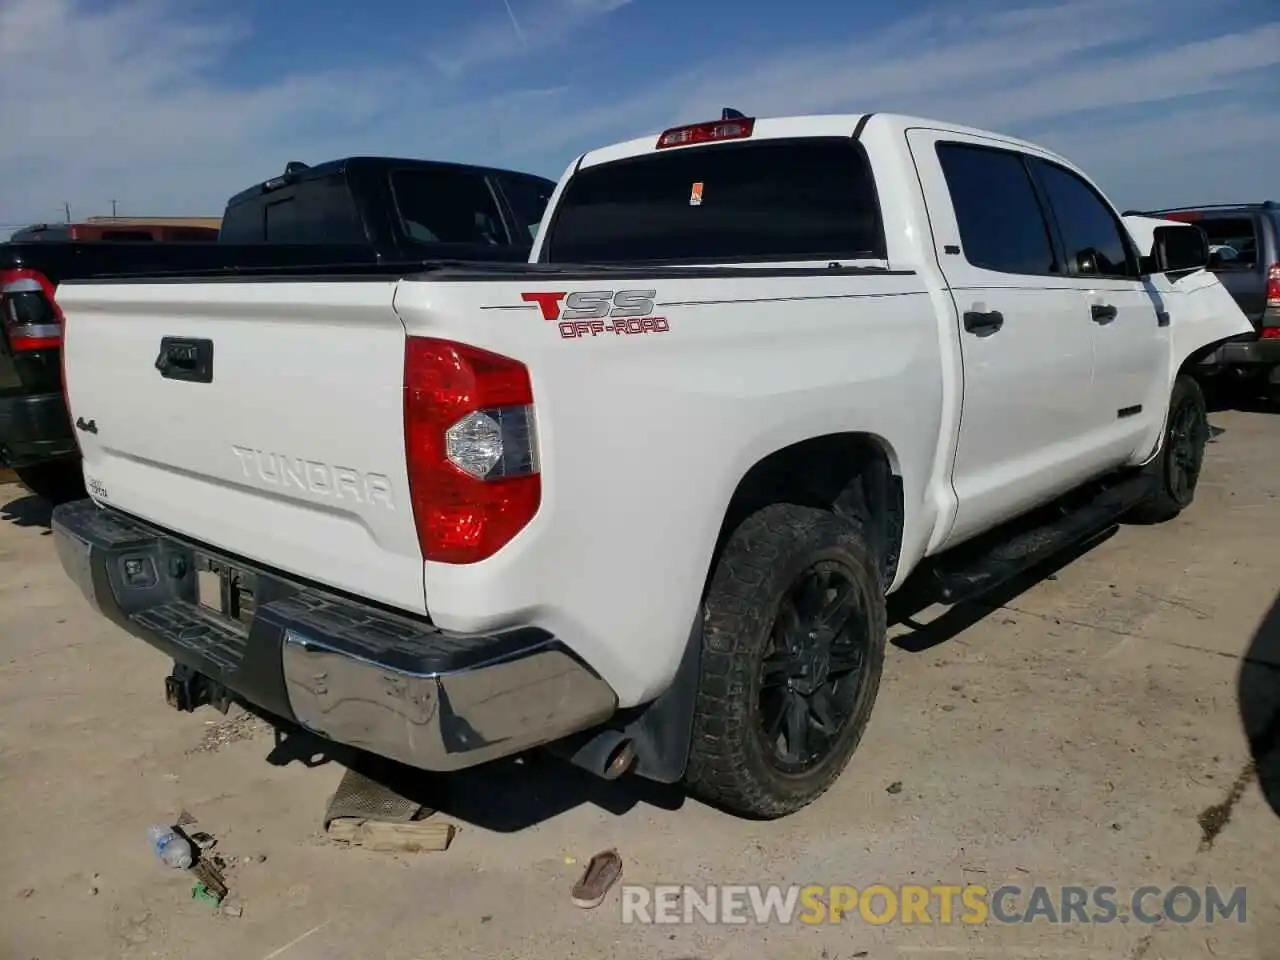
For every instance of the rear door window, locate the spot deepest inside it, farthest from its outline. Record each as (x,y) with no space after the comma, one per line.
(770,200)
(447,205)
(1002,225)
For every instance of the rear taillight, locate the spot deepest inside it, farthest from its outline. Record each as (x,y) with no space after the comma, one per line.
(31,317)
(1273,287)
(711,132)
(471,447)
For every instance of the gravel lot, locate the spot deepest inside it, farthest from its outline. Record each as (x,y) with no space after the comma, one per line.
(1088,729)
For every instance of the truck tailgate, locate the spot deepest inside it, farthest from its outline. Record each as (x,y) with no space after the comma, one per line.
(263,418)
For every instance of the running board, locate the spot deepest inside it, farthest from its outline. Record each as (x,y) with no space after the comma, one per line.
(974,568)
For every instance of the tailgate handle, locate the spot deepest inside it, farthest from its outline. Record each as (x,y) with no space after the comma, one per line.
(185,358)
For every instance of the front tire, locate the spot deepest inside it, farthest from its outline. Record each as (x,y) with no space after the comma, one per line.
(792,652)
(1176,470)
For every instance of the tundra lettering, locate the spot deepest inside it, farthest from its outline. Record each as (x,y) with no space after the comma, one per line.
(313,476)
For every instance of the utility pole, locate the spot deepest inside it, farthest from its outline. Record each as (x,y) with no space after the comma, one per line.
(67,206)
(113,209)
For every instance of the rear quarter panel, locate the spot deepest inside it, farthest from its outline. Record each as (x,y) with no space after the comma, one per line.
(645,436)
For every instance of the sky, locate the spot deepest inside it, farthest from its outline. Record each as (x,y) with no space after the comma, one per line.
(168,107)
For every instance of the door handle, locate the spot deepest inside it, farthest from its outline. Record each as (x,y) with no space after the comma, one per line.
(186,358)
(983,323)
(1103,312)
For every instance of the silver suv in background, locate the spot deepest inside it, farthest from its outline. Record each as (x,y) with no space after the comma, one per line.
(1244,245)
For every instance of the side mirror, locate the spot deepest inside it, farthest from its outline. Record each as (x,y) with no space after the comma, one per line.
(1179,249)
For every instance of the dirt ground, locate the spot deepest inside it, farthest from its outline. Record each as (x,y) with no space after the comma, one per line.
(1076,732)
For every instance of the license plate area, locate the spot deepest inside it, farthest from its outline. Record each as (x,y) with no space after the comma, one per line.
(226,591)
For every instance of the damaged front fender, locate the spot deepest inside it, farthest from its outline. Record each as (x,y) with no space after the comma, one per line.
(1202,314)
(1198,310)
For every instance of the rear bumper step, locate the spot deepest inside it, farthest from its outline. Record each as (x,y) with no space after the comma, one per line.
(359,675)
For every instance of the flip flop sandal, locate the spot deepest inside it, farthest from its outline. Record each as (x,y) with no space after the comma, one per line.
(601,873)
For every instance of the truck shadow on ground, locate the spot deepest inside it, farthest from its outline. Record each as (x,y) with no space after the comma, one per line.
(907,604)
(504,796)
(1258,693)
(511,795)
(24,509)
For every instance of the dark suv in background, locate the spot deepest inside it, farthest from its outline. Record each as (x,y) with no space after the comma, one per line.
(1244,245)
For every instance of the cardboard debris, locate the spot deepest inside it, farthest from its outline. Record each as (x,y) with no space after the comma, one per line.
(419,836)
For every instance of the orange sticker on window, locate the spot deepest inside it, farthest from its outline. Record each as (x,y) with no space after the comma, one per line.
(695,195)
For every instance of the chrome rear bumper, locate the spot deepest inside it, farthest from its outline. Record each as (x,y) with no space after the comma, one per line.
(443,720)
(360,675)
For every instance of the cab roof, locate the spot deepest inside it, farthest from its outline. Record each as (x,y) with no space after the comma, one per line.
(815,125)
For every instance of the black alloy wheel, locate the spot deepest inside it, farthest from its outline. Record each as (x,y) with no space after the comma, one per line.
(1188,434)
(810,680)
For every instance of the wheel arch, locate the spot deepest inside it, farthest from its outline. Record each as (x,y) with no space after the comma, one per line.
(849,473)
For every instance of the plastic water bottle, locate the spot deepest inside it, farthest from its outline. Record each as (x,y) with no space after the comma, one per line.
(171,849)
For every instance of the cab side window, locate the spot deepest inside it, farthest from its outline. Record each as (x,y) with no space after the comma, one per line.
(1094,240)
(1002,226)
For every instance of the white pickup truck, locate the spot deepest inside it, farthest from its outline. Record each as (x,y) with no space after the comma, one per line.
(641,499)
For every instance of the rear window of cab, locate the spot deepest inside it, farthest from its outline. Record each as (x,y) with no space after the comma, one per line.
(768,200)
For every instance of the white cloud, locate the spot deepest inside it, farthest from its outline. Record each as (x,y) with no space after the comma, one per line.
(113,105)
(517,26)
(1161,100)
(1073,76)
(1203,154)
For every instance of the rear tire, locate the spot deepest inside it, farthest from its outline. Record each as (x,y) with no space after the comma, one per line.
(57,481)
(792,652)
(1177,467)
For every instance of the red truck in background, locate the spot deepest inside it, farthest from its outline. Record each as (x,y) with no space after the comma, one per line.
(131,230)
